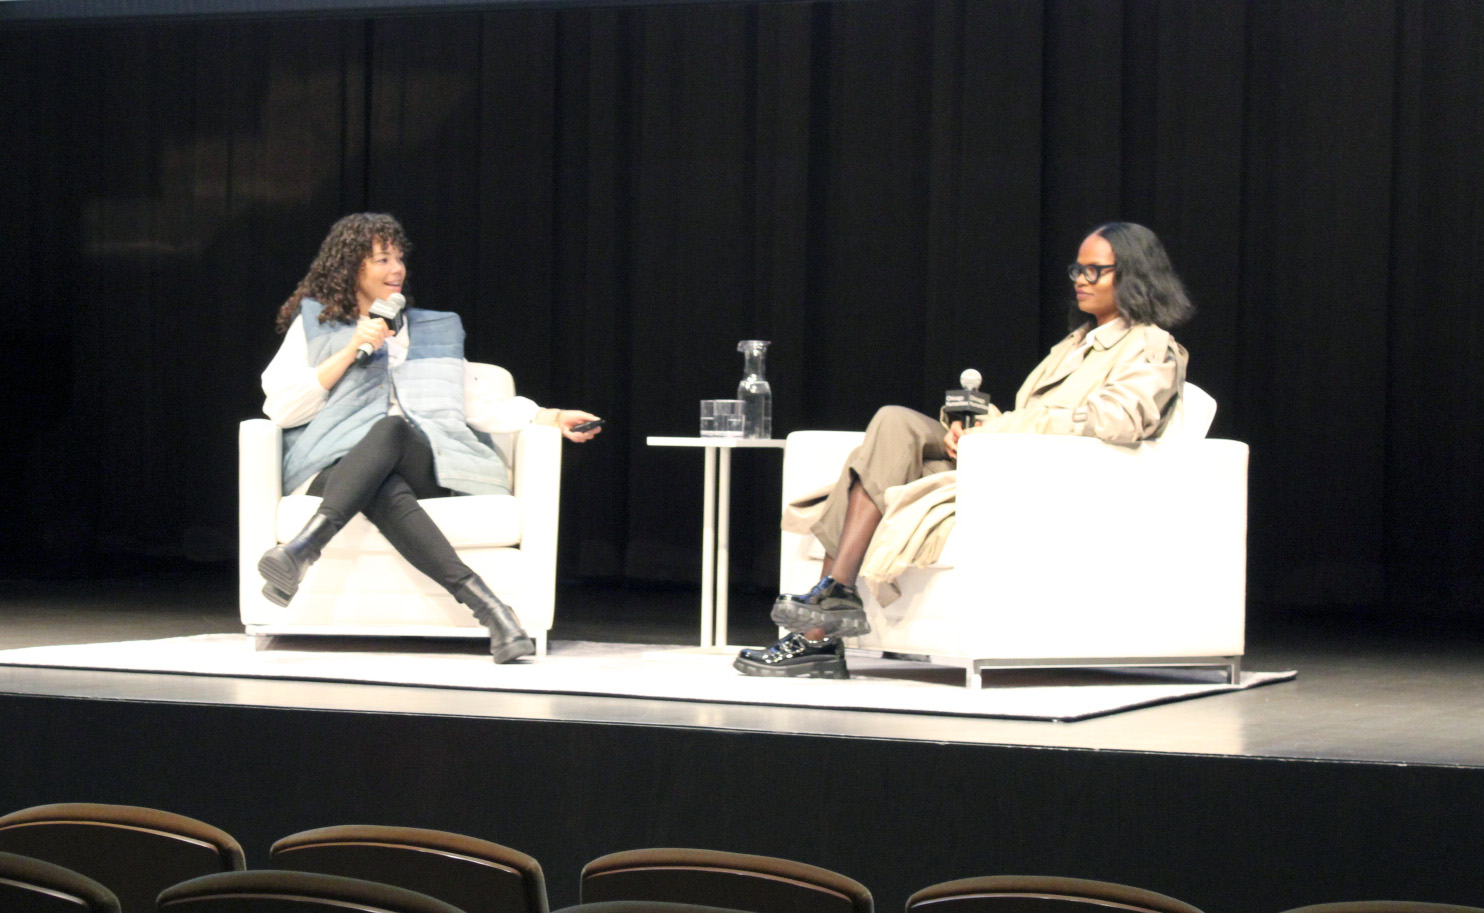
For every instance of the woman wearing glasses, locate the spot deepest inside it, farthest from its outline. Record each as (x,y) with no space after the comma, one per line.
(1115,377)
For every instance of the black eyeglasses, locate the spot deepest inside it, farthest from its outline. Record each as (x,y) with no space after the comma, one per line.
(1092,272)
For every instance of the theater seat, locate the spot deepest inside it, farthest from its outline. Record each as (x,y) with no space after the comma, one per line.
(1040,894)
(1385,906)
(265,890)
(759,884)
(1066,551)
(361,586)
(133,852)
(476,876)
(643,906)
(32,886)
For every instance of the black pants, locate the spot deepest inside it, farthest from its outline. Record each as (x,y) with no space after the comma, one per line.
(382,477)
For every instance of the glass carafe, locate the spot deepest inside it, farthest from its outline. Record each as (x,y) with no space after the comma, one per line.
(753,391)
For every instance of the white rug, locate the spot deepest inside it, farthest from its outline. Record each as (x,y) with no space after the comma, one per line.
(622,670)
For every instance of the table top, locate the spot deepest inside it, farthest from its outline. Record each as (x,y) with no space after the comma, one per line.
(728,442)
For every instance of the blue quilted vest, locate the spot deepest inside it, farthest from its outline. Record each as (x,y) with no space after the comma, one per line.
(430,390)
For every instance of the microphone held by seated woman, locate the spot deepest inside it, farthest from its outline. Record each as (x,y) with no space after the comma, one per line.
(375,437)
(1117,377)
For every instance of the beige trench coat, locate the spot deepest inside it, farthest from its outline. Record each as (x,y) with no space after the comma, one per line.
(1121,389)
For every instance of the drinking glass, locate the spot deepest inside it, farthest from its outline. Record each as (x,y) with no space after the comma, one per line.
(721,418)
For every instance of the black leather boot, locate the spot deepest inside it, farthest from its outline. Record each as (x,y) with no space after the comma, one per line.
(284,566)
(508,640)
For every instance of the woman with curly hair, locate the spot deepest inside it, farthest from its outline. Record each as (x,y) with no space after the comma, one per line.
(374,436)
(1116,377)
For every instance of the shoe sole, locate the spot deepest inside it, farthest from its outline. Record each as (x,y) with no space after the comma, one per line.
(276,596)
(832,670)
(280,572)
(798,616)
(513,650)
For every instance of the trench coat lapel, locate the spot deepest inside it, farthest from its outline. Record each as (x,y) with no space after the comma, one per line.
(1060,364)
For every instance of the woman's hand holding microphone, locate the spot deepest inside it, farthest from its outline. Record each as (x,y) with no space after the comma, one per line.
(370,331)
(950,440)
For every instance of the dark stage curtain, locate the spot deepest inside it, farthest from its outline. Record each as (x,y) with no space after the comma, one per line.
(887,189)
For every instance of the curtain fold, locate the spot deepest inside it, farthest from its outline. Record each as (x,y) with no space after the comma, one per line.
(886,189)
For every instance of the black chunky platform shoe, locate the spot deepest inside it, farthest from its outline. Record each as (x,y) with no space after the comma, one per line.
(795,656)
(831,607)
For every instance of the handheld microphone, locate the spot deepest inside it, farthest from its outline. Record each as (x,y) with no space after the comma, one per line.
(390,312)
(968,403)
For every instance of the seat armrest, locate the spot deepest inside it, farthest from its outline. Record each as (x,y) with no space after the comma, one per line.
(814,458)
(259,488)
(811,460)
(538,486)
(1152,534)
(538,463)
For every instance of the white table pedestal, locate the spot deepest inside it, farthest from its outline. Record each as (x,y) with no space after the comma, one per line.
(716,512)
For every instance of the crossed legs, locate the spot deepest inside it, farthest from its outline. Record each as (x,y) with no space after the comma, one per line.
(901,446)
(862,516)
(383,476)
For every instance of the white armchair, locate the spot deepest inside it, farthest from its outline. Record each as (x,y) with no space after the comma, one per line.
(1066,551)
(361,586)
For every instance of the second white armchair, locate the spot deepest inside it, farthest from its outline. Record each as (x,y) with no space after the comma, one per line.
(1066,552)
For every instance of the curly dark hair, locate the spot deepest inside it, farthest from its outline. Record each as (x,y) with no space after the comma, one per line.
(1145,285)
(332,276)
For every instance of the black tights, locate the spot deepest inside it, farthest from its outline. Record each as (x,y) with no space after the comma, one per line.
(382,477)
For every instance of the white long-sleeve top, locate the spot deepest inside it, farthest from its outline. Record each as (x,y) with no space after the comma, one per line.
(293,395)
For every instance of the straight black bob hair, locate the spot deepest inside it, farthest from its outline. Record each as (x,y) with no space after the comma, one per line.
(1145,286)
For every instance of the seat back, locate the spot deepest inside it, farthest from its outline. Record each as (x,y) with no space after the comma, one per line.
(273,891)
(1195,410)
(33,886)
(760,884)
(497,382)
(500,381)
(133,852)
(1385,906)
(643,906)
(1039,894)
(474,875)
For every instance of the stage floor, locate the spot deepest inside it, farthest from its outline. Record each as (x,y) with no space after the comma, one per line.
(1365,691)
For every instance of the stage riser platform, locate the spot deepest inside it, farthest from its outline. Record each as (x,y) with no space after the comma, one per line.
(1230,835)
